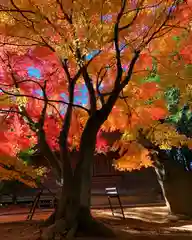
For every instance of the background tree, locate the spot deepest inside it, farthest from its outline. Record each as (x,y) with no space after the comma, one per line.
(103,45)
(173,158)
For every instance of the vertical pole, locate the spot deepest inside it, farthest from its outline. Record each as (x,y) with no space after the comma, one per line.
(110,205)
(122,212)
(34,205)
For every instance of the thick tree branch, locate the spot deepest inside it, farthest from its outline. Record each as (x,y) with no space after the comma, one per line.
(48,153)
(116,41)
(98,84)
(63,138)
(43,112)
(91,90)
(41,134)
(130,70)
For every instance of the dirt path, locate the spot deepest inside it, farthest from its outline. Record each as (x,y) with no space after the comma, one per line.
(140,223)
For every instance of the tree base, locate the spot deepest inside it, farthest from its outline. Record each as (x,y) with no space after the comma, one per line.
(178,217)
(84,226)
(50,220)
(179,196)
(175,183)
(93,229)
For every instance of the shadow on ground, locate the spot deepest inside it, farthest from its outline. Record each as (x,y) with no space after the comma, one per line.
(147,221)
(140,222)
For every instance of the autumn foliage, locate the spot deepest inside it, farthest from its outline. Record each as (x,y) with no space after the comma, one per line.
(56,39)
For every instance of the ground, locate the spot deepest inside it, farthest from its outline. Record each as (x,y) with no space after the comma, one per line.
(140,223)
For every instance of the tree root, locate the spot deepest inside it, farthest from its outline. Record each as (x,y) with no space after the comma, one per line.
(177,217)
(50,220)
(58,228)
(84,225)
(71,233)
(91,228)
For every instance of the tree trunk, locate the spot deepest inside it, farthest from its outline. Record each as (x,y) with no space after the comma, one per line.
(73,214)
(160,172)
(174,180)
(175,183)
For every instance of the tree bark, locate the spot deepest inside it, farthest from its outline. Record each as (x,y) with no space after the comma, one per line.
(175,183)
(73,215)
(174,180)
(160,172)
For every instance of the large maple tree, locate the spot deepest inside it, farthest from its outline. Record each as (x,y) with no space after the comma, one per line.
(56,53)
